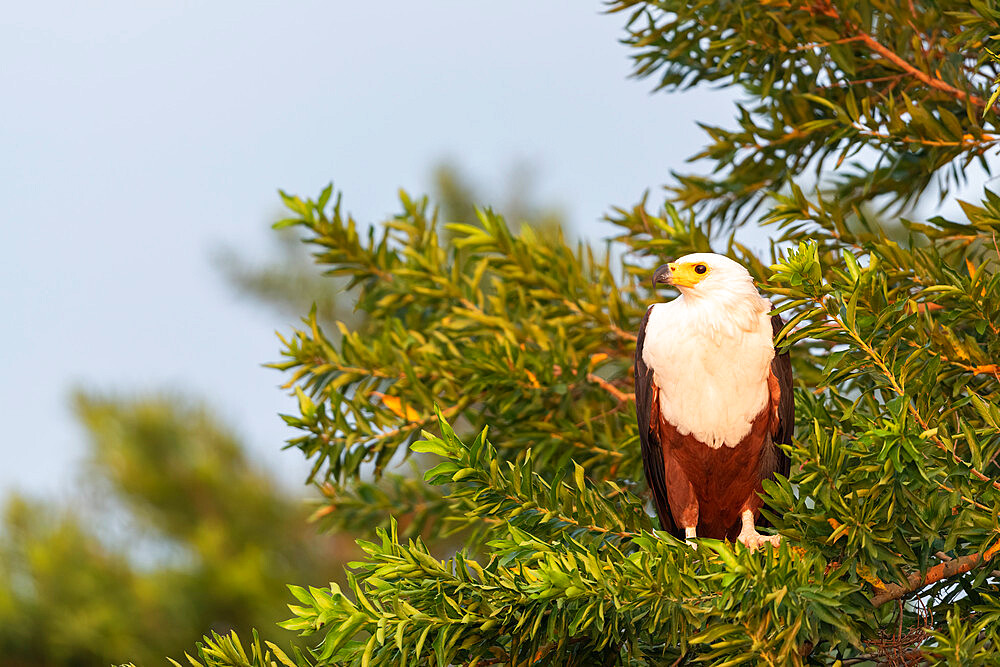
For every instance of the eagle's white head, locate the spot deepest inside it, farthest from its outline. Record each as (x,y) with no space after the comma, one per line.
(706,275)
(715,291)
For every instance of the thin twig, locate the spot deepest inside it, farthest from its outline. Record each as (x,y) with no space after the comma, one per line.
(908,658)
(986,142)
(610,388)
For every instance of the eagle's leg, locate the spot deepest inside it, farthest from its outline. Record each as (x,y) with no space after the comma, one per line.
(689,519)
(750,538)
(683,500)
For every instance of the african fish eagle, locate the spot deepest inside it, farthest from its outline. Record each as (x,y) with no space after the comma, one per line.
(712,399)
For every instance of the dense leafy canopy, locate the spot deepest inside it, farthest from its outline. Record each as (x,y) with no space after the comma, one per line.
(891,511)
(878,98)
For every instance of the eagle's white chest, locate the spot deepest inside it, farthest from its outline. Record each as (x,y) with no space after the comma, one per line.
(711,367)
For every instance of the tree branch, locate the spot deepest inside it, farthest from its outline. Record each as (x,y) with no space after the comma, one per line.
(922,76)
(946,570)
(826,8)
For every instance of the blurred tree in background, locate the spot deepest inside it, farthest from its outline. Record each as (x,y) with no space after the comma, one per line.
(177,530)
(217,541)
(891,512)
(217,538)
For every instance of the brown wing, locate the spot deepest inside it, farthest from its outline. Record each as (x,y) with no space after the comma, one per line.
(781,367)
(647,413)
(773,459)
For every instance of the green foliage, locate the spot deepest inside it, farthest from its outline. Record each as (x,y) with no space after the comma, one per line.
(962,641)
(902,86)
(366,505)
(208,542)
(564,590)
(478,325)
(895,469)
(890,515)
(218,650)
(63,594)
(488,491)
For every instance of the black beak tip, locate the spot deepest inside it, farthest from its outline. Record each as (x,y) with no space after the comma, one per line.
(662,275)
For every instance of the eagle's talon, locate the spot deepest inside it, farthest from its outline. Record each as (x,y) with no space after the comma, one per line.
(753,540)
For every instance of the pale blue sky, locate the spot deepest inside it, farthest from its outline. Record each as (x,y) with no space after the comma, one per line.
(136,138)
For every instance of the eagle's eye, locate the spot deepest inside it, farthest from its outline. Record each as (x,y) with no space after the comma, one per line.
(700,268)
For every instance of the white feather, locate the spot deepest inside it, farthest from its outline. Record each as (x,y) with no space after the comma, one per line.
(710,350)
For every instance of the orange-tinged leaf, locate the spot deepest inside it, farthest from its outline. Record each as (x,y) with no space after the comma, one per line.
(597,358)
(396,407)
(928,306)
(839,530)
(534,380)
(865,573)
(321,512)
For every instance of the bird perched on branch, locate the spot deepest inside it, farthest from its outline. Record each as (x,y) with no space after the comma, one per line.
(712,399)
